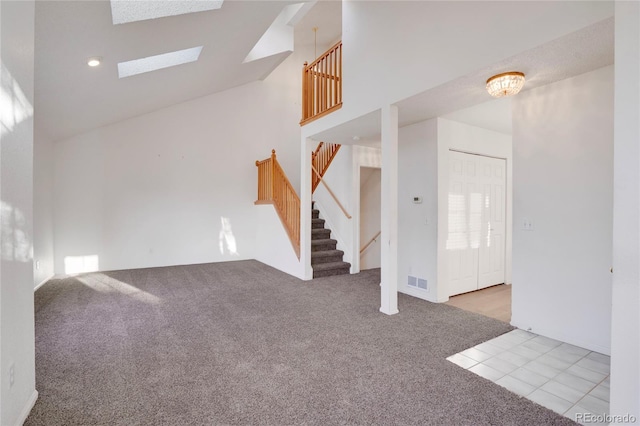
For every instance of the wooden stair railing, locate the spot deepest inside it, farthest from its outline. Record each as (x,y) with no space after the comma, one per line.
(321,159)
(274,188)
(322,85)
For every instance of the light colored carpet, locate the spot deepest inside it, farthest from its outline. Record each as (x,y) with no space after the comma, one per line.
(241,343)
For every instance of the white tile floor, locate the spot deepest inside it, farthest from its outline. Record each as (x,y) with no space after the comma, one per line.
(569,380)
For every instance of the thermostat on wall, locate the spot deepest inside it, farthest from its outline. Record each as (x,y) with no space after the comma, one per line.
(417,200)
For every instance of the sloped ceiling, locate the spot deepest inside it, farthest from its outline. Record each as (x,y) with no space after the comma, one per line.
(72,98)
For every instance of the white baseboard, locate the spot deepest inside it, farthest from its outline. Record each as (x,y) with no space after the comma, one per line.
(44,282)
(27,408)
(418,293)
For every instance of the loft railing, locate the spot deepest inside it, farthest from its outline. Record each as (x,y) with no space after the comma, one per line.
(322,85)
(274,188)
(321,159)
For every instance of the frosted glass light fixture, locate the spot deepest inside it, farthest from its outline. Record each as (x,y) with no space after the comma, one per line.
(505,84)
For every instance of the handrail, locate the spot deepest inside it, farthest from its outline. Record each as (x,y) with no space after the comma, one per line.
(331,192)
(322,85)
(274,188)
(321,159)
(370,242)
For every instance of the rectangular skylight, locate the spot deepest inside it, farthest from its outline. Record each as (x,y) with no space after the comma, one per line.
(123,11)
(153,63)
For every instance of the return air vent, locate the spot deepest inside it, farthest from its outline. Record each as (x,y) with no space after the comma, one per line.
(422,283)
(417,282)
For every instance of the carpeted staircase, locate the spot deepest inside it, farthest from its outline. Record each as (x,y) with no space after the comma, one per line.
(326,261)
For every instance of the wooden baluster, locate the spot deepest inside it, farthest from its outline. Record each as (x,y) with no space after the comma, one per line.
(315,90)
(329,79)
(273,170)
(335,78)
(322,79)
(340,73)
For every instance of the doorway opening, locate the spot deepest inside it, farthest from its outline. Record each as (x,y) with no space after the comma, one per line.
(370,215)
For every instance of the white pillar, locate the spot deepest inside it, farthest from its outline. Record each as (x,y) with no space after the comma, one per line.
(389,213)
(305,208)
(625,321)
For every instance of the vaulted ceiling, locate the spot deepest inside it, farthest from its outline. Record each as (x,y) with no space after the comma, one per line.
(72,98)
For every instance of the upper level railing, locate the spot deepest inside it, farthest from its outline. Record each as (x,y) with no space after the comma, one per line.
(274,188)
(322,85)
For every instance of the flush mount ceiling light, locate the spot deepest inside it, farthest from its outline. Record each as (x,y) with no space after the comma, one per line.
(505,84)
(94,61)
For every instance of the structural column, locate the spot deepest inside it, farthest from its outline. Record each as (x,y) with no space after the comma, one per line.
(389,212)
(625,321)
(305,207)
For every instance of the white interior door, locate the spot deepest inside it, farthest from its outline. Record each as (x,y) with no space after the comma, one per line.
(492,253)
(463,238)
(476,222)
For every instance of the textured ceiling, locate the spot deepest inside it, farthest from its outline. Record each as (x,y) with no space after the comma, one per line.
(574,54)
(72,98)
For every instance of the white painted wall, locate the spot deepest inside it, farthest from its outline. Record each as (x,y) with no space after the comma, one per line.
(370,208)
(378,36)
(424,157)
(625,330)
(418,223)
(475,140)
(42,209)
(16,214)
(169,187)
(273,246)
(563,183)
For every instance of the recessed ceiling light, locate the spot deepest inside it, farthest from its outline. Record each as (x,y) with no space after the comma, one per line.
(123,11)
(153,63)
(356,138)
(94,61)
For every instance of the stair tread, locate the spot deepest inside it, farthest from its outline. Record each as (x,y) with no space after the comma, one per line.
(327,253)
(331,265)
(320,230)
(317,220)
(324,241)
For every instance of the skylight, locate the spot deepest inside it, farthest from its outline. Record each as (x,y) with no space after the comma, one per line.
(123,11)
(153,63)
